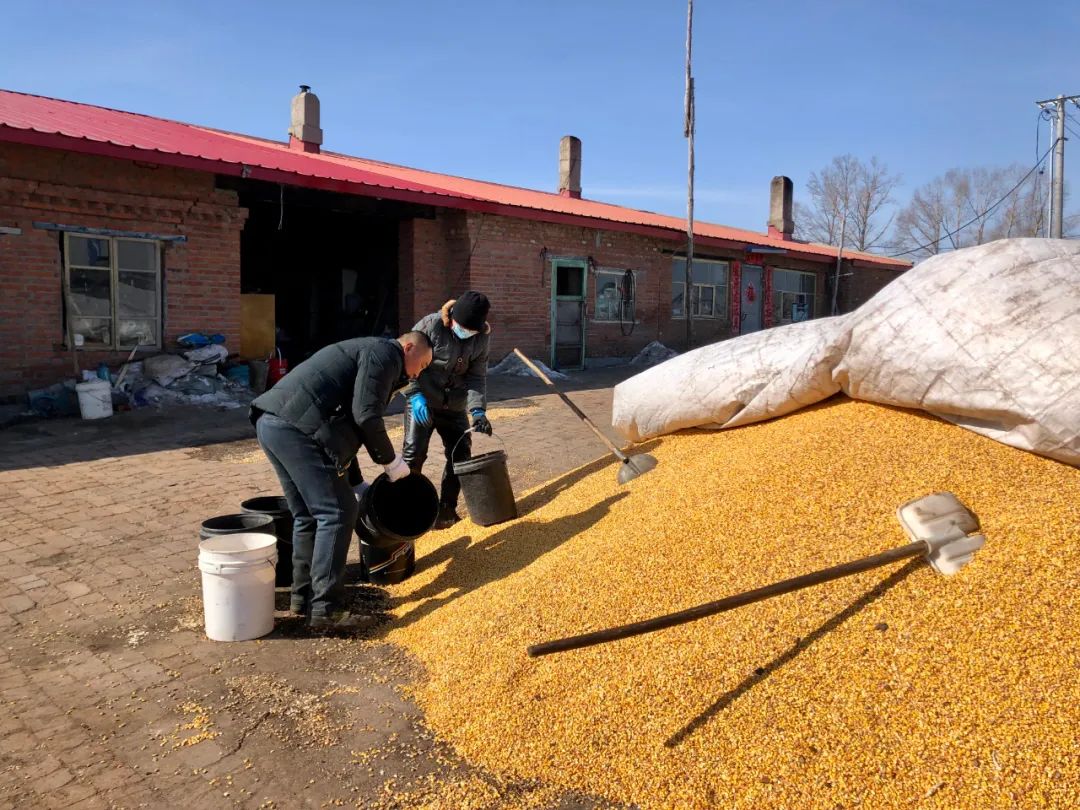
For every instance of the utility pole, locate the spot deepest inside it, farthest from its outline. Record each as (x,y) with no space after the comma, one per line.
(688,133)
(839,259)
(1057,194)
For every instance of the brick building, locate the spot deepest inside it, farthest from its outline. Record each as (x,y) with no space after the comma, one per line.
(156,228)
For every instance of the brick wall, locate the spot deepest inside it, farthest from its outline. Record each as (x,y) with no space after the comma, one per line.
(512,264)
(862,284)
(502,257)
(201,279)
(510,260)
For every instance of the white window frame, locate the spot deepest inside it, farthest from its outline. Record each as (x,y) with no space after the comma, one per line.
(721,305)
(618,273)
(778,296)
(114,270)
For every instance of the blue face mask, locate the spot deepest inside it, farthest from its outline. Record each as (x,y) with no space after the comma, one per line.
(461,331)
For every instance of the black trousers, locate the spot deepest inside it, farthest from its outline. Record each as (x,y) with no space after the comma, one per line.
(451,426)
(323,508)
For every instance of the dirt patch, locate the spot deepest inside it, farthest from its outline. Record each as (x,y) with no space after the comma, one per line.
(58,559)
(246,451)
(296,717)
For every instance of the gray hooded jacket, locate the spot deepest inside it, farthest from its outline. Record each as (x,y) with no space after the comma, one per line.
(456,380)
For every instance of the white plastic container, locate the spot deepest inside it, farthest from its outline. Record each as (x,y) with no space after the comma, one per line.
(95,399)
(238,585)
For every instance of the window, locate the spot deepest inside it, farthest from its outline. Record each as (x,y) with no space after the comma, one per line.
(115,291)
(569,281)
(793,296)
(708,294)
(615,294)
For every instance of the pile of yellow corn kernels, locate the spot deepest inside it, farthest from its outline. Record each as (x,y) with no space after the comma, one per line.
(898,687)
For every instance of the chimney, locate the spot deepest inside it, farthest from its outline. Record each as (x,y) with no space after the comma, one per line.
(570,167)
(781,224)
(305,134)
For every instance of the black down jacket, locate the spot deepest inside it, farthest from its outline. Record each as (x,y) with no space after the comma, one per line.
(338,396)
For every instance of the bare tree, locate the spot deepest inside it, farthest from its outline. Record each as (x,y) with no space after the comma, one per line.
(1024,213)
(873,192)
(921,221)
(967,207)
(847,188)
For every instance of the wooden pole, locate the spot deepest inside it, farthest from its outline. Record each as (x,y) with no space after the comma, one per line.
(70,331)
(569,403)
(689,125)
(730,602)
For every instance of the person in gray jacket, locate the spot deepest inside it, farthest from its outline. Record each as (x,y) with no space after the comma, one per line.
(311,425)
(455,384)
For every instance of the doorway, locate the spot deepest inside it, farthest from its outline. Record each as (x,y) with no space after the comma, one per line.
(327,262)
(752,298)
(568,285)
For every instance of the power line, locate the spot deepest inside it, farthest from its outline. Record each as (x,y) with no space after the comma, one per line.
(1075,119)
(1042,115)
(988,211)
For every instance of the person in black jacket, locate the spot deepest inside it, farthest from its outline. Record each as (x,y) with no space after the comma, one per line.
(311,425)
(454,384)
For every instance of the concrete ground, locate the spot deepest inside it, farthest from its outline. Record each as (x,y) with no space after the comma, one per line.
(112,695)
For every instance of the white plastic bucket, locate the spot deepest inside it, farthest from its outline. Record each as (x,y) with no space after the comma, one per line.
(95,399)
(238,585)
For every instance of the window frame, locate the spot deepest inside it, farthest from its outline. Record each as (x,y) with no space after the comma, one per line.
(114,318)
(778,295)
(720,292)
(619,273)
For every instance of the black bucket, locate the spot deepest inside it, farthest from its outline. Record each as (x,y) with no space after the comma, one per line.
(394,512)
(392,515)
(236,524)
(277,508)
(485,483)
(387,565)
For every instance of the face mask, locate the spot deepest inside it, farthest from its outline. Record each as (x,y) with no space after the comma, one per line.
(462,332)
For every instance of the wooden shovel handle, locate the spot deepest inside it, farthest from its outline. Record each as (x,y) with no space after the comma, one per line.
(580,415)
(729,603)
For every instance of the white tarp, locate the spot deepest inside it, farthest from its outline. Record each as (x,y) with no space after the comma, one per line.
(987,337)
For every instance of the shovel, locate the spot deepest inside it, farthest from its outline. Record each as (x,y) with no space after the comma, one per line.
(940,527)
(632,466)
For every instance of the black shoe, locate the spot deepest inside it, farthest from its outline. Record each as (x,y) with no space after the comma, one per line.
(342,620)
(297,605)
(448,516)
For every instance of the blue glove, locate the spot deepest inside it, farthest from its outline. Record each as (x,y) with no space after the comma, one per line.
(418,407)
(480,421)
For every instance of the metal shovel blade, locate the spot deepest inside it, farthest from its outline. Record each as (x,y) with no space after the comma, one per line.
(634,466)
(949,529)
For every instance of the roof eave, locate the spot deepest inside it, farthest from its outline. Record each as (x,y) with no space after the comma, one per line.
(108,149)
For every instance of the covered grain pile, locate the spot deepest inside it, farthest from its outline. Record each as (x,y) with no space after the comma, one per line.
(893,688)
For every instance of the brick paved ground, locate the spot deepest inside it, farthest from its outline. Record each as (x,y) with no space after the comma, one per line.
(112,696)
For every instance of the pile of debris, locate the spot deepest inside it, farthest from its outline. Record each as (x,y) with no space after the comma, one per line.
(202,375)
(191,378)
(512,365)
(653,354)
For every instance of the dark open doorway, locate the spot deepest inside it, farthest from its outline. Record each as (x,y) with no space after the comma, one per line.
(330,261)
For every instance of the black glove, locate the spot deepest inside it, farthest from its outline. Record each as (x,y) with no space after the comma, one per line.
(480,422)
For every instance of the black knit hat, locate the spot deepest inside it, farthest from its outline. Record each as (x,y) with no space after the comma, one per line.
(471,310)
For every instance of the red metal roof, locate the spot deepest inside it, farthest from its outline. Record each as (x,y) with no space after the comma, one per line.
(85,128)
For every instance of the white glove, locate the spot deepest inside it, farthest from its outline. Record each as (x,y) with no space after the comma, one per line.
(396,469)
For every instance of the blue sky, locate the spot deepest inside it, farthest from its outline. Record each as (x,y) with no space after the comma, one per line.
(486,89)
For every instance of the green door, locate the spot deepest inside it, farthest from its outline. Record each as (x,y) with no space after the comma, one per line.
(568,286)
